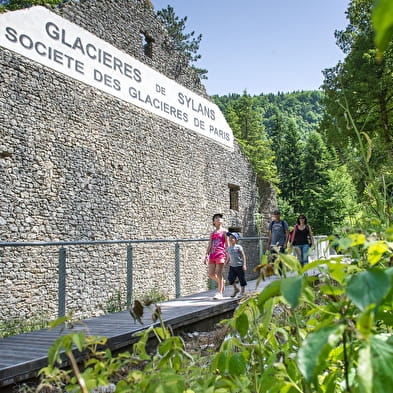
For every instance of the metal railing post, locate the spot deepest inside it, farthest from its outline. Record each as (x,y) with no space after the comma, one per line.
(177,269)
(62,282)
(260,251)
(318,246)
(129,275)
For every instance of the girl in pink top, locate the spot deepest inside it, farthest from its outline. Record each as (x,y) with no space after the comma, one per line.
(215,254)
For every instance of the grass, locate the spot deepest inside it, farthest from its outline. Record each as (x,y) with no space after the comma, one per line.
(19,326)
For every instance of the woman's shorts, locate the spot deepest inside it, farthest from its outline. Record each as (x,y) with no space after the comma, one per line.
(217,261)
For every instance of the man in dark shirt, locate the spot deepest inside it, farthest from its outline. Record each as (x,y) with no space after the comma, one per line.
(278,235)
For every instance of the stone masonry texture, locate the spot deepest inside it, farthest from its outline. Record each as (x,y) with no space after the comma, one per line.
(79,164)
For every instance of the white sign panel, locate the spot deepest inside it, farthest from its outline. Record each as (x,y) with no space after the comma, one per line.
(51,40)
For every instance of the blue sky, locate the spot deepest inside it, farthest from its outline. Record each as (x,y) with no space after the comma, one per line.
(263,46)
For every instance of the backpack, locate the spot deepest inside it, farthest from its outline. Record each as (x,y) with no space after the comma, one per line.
(292,234)
(282,223)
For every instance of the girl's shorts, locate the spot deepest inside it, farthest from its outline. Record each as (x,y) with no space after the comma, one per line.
(217,261)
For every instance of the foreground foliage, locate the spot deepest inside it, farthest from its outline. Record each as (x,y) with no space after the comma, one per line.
(326,332)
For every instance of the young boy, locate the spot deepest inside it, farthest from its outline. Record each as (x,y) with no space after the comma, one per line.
(237,264)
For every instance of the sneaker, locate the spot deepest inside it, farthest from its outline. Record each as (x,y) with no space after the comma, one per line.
(217,296)
(235,292)
(241,295)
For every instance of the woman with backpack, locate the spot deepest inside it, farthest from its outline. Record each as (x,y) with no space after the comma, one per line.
(302,239)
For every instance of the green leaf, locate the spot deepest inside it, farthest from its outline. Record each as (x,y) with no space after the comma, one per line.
(375,252)
(273,289)
(368,287)
(237,364)
(330,382)
(168,382)
(389,272)
(171,343)
(358,239)
(122,387)
(364,371)
(314,265)
(386,316)
(345,243)
(331,290)
(221,361)
(162,333)
(337,271)
(291,289)
(383,23)
(176,361)
(291,262)
(382,361)
(165,359)
(315,348)
(57,322)
(242,324)
(54,351)
(165,346)
(267,317)
(365,322)
(79,339)
(285,387)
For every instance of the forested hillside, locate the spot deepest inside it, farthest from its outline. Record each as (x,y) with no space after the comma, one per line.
(304,108)
(279,133)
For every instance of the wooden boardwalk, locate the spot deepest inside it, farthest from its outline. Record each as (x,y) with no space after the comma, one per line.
(23,355)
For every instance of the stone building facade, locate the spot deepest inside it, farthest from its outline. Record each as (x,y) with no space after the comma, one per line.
(77,163)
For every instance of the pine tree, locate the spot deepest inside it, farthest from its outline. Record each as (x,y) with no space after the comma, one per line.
(250,122)
(289,162)
(249,131)
(185,43)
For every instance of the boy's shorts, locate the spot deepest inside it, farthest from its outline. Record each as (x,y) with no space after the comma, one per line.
(217,261)
(239,273)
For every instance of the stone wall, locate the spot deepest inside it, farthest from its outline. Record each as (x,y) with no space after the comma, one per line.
(79,164)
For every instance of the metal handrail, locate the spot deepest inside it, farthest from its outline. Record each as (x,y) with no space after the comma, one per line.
(88,242)
(62,258)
